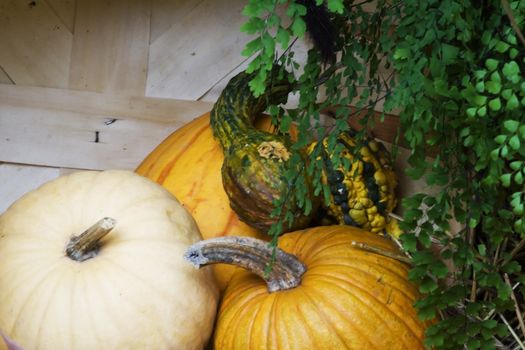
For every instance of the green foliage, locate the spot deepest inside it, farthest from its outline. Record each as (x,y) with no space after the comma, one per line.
(458,79)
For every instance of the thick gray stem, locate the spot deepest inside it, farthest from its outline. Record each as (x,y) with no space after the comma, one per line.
(252,254)
(85,245)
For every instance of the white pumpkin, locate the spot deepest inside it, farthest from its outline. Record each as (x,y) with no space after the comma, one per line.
(134,292)
(8,344)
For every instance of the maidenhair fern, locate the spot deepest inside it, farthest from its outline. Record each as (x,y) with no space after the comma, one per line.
(455,71)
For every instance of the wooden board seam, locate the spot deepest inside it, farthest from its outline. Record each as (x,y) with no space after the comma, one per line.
(140,107)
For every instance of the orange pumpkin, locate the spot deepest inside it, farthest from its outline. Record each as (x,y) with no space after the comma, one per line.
(188,163)
(342,297)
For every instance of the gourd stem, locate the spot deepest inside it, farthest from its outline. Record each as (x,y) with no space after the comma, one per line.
(252,254)
(85,245)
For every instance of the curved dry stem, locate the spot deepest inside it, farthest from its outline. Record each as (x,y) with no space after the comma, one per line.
(252,254)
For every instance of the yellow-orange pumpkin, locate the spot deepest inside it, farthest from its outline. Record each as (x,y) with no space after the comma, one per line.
(347,298)
(188,163)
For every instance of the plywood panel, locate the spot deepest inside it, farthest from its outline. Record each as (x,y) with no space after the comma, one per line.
(165,13)
(65,10)
(17,179)
(195,53)
(4,78)
(215,90)
(68,171)
(110,48)
(36,46)
(76,140)
(116,106)
(300,48)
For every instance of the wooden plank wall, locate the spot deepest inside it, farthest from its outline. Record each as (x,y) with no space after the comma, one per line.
(97,84)
(74,77)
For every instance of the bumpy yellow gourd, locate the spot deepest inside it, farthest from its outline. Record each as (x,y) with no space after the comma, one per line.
(363,195)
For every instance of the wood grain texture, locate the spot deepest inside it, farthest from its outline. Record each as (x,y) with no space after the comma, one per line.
(4,78)
(215,91)
(76,140)
(166,13)
(65,10)
(300,48)
(198,51)
(110,47)
(68,171)
(17,179)
(116,106)
(36,46)
(103,46)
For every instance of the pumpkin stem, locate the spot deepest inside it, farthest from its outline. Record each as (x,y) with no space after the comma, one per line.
(85,245)
(251,254)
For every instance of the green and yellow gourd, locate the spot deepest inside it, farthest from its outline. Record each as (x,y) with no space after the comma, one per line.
(255,161)
(364,195)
